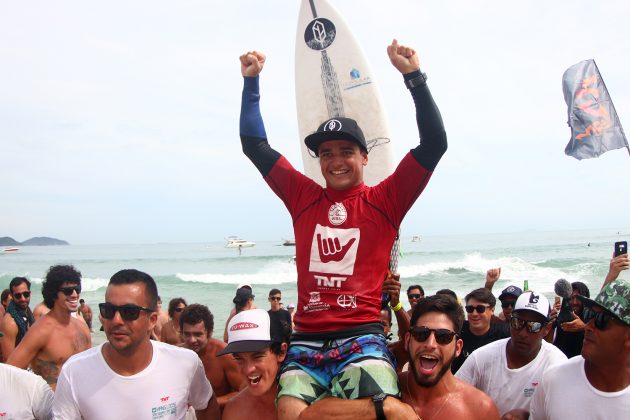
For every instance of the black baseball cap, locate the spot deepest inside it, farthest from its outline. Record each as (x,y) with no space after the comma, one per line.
(337,128)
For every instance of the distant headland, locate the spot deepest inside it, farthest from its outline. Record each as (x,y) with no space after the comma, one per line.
(36,241)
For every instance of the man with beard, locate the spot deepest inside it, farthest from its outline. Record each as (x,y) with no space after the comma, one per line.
(131,376)
(197,324)
(595,385)
(18,317)
(509,370)
(57,335)
(429,389)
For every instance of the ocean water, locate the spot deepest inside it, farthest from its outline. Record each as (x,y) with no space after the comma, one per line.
(209,273)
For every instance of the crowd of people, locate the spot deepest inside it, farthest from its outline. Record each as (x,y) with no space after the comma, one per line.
(329,357)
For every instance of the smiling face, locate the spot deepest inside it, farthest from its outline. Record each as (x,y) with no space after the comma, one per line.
(261,369)
(341,163)
(69,302)
(429,360)
(125,337)
(479,322)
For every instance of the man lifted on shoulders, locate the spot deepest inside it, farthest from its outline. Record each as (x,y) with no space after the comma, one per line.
(344,234)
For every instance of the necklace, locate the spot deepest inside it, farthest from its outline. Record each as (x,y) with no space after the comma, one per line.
(448,397)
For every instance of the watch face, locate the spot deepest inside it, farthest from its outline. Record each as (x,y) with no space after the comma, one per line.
(379,397)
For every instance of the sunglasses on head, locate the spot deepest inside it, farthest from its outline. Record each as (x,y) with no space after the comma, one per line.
(532,326)
(128,312)
(414,296)
(68,290)
(508,303)
(442,335)
(479,308)
(277,298)
(601,318)
(19,295)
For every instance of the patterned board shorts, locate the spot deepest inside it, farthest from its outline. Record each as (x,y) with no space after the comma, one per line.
(347,368)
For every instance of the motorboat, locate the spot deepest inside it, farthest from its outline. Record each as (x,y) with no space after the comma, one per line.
(416,238)
(11,249)
(236,242)
(288,242)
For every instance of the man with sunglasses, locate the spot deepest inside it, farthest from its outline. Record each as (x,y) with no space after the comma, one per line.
(57,335)
(170,330)
(18,317)
(479,330)
(509,370)
(276,312)
(596,384)
(131,376)
(415,292)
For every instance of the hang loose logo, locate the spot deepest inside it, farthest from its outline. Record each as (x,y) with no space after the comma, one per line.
(330,249)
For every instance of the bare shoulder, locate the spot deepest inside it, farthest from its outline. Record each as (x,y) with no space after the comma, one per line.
(479,403)
(7,321)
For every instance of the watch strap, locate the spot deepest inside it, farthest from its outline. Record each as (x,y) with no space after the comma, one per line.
(378,406)
(419,80)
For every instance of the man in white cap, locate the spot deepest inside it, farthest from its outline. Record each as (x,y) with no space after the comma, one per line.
(509,370)
(259,349)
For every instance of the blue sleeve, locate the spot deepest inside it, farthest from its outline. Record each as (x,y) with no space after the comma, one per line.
(252,129)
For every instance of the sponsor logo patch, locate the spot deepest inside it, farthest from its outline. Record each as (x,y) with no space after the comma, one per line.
(243,326)
(334,250)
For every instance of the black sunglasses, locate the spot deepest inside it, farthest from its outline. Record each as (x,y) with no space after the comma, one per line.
(442,335)
(179,309)
(601,318)
(480,308)
(532,326)
(278,298)
(414,296)
(68,290)
(508,303)
(19,295)
(128,312)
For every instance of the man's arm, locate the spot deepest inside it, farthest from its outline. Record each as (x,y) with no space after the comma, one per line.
(617,265)
(391,286)
(431,128)
(211,412)
(10,330)
(28,348)
(339,409)
(492,276)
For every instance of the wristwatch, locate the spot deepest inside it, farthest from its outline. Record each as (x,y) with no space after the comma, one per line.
(417,81)
(378,405)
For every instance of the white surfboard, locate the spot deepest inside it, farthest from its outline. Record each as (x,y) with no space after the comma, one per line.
(334,79)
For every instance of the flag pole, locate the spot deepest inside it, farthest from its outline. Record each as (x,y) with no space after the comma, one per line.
(625,139)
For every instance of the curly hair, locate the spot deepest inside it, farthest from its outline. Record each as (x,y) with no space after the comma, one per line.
(55,277)
(194,314)
(173,304)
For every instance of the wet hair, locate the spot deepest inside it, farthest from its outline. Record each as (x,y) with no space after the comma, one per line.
(16,282)
(447,292)
(131,276)
(443,304)
(581,288)
(415,286)
(55,277)
(482,295)
(81,301)
(243,295)
(173,304)
(274,292)
(194,314)
(5,295)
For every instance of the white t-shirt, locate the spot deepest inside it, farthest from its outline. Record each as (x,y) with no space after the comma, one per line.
(486,368)
(23,395)
(566,393)
(89,388)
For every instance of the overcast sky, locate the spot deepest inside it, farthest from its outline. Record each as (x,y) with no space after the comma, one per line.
(119,119)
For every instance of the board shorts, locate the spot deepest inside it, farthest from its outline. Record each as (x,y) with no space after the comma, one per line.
(348,368)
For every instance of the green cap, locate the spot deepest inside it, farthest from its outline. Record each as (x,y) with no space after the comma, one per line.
(615,298)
